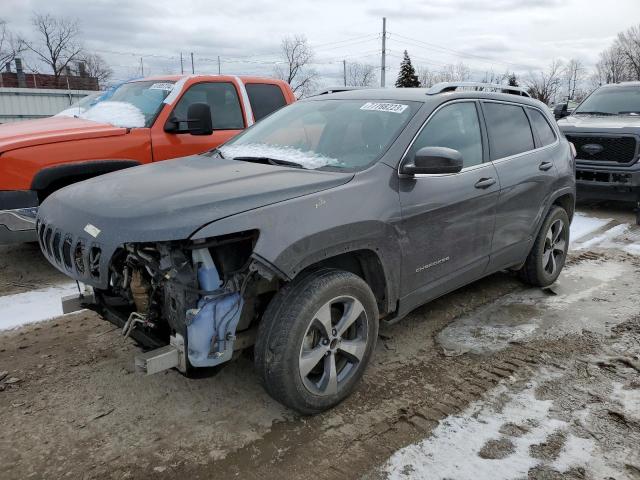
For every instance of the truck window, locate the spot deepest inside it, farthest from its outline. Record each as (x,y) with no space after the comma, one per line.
(265,98)
(509,130)
(454,126)
(542,128)
(222,97)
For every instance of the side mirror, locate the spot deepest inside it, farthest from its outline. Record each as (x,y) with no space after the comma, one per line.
(434,160)
(561,110)
(198,121)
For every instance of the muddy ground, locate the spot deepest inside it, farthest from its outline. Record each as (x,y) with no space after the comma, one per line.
(78,410)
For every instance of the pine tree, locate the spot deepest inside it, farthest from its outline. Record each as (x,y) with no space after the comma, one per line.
(513,80)
(407,77)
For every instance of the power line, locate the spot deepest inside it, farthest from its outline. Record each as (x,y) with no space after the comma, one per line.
(432,46)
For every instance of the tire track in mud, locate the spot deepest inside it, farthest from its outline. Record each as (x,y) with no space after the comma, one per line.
(411,386)
(402,407)
(383,417)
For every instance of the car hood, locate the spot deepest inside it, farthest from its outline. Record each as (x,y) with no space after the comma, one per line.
(594,123)
(53,129)
(170,200)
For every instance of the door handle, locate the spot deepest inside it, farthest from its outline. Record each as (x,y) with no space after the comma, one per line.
(544,166)
(485,182)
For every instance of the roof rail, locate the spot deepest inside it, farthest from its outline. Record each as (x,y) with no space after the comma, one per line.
(337,89)
(477,86)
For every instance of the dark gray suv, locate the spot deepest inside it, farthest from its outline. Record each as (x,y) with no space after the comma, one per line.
(301,233)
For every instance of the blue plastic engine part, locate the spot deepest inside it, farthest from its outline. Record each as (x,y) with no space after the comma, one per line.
(211,332)
(208,276)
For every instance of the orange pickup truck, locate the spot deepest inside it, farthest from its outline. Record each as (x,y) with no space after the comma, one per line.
(143,121)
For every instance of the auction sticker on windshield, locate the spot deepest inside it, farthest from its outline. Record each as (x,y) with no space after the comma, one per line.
(161,86)
(385,107)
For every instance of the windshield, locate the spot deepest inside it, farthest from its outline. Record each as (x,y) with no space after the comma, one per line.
(342,134)
(134,104)
(612,101)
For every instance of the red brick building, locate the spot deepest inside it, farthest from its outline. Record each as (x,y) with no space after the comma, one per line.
(21,79)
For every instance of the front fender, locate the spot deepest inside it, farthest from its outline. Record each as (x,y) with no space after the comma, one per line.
(360,215)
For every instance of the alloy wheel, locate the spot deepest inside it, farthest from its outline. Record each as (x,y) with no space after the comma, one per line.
(333,346)
(555,247)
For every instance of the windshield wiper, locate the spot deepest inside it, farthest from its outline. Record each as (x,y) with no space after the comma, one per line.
(594,113)
(269,161)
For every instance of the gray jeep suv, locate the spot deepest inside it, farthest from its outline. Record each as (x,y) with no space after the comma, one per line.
(605,129)
(301,233)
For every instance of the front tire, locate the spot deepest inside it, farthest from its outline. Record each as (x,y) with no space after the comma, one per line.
(316,339)
(549,252)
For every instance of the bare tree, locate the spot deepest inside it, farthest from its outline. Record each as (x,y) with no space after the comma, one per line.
(10,46)
(361,74)
(612,67)
(448,73)
(628,43)
(297,56)
(57,42)
(496,78)
(544,85)
(97,67)
(428,78)
(454,73)
(574,73)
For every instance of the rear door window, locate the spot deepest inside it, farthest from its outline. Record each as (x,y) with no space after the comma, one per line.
(509,130)
(541,126)
(222,97)
(453,126)
(264,98)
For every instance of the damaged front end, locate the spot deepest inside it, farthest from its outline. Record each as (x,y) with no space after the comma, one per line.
(195,303)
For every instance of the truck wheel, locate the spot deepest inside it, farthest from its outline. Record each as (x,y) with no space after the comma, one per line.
(549,252)
(316,338)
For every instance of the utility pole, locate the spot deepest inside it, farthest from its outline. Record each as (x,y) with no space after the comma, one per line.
(141,67)
(181,64)
(384,51)
(344,71)
(193,69)
(219,65)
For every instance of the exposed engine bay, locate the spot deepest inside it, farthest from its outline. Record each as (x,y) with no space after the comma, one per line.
(204,298)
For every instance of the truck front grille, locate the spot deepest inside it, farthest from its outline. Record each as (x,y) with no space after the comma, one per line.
(618,149)
(71,254)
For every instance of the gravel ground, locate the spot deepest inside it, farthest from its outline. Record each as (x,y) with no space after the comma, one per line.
(493,378)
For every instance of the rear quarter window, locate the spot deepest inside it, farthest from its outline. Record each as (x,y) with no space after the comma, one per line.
(541,126)
(264,98)
(509,129)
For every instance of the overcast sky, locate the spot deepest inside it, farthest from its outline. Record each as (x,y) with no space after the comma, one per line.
(498,35)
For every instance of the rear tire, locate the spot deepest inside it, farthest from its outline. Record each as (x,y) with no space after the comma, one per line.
(549,252)
(316,338)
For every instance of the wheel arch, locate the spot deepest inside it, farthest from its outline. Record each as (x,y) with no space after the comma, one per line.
(364,262)
(565,198)
(50,179)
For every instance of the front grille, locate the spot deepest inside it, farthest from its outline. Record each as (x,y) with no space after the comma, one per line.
(71,254)
(603,148)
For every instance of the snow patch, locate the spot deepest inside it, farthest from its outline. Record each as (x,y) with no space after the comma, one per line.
(582,225)
(35,306)
(119,114)
(605,237)
(290,154)
(452,451)
(612,239)
(629,399)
